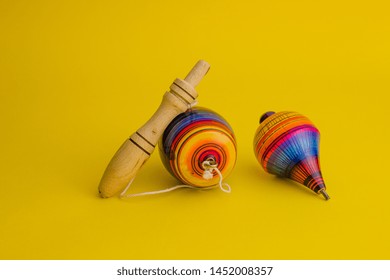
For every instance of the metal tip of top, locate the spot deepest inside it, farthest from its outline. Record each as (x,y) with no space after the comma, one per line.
(325,194)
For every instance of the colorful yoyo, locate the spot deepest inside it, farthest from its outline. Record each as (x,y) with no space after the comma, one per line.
(199,148)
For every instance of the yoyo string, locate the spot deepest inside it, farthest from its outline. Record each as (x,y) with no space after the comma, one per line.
(208,165)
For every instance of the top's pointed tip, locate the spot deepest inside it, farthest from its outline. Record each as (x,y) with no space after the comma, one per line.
(325,194)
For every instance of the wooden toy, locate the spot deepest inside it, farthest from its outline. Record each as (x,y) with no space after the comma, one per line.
(194,139)
(286,144)
(133,153)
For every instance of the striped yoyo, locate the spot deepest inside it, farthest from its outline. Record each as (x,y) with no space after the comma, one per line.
(199,148)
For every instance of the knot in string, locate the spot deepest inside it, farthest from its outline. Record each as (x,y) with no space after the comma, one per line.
(209,166)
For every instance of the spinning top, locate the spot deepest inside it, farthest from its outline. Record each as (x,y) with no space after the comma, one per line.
(195,138)
(286,144)
(136,150)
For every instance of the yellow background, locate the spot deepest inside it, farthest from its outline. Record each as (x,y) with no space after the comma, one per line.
(78,77)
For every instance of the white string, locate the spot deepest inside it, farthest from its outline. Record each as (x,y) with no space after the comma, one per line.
(208,165)
(194,103)
(227,188)
(127,187)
